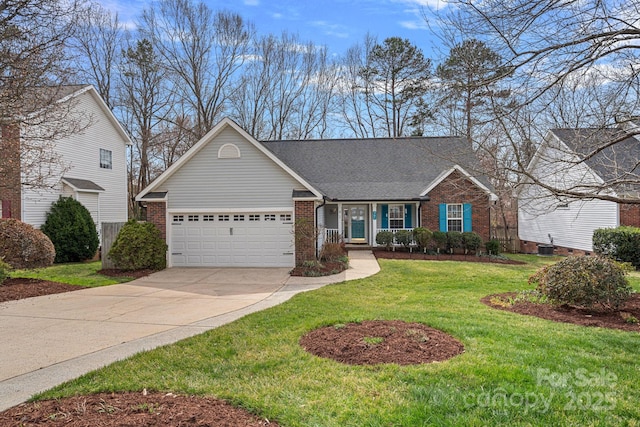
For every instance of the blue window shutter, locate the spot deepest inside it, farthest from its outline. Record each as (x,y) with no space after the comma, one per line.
(466,217)
(442,210)
(385,216)
(408,220)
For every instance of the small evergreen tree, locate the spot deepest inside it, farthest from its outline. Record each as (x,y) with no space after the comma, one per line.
(138,246)
(72,231)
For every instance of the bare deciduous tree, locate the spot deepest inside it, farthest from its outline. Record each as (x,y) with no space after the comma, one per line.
(203,50)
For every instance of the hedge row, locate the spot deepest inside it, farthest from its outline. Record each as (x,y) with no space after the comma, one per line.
(440,241)
(621,244)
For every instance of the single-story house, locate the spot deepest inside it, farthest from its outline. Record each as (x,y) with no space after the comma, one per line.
(567,223)
(233,201)
(92,164)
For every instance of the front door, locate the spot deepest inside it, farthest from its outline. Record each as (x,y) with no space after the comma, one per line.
(355,224)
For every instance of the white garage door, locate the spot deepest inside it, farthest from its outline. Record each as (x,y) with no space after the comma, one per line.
(232,240)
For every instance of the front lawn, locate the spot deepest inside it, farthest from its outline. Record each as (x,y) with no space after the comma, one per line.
(82,274)
(516,370)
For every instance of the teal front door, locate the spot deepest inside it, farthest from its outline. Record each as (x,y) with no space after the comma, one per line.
(356,224)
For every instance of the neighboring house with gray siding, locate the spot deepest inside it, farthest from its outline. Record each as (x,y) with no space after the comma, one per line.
(94,160)
(233,201)
(568,223)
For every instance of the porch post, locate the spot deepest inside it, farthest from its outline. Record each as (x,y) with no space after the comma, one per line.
(374,224)
(340,222)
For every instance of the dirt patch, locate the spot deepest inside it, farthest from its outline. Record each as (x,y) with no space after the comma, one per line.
(622,319)
(382,253)
(381,341)
(15,289)
(131,409)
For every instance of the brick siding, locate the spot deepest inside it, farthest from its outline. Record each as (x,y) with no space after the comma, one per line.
(630,215)
(10,186)
(156,214)
(457,188)
(529,247)
(305,245)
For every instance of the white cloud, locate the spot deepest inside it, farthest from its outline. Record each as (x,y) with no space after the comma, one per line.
(330,29)
(414,25)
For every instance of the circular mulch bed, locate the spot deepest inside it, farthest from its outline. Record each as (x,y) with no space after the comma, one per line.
(381,341)
(131,410)
(383,253)
(575,315)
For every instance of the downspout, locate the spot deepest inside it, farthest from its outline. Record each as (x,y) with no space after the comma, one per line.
(324,202)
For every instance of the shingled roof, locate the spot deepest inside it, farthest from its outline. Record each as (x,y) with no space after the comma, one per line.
(618,162)
(376,168)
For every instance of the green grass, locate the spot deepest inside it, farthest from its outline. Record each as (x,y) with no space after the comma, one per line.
(83,274)
(516,370)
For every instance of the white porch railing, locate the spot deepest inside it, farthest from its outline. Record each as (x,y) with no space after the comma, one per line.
(332,235)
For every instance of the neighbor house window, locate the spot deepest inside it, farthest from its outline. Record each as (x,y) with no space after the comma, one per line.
(396,216)
(105,159)
(454,217)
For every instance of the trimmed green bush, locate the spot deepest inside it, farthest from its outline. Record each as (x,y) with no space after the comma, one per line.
(492,247)
(4,271)
(139,246)
(384,238)
(440,240)
(422,236)
(72,231)
(22,246)
(454,240)
(471,242)
(621,243)
(404,237)
(589,282)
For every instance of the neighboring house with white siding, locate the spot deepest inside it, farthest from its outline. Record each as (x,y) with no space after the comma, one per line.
(545,218)
(233,201)
(92,166)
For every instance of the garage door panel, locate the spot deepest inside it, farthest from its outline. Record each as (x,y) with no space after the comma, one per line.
(244,240)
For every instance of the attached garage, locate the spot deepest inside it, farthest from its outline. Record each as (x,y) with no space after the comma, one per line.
(237,239)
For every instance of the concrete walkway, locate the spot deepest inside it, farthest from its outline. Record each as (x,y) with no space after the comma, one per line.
(48,340)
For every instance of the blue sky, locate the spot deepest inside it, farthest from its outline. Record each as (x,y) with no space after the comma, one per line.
(338,24)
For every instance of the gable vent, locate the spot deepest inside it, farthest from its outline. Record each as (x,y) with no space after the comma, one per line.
(229,151)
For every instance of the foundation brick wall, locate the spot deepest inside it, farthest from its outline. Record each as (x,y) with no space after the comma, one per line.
(529,247)
(305,217)
(456,188)
(156,214)
(10,185)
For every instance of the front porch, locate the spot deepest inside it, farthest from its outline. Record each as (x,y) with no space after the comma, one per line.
(357,224)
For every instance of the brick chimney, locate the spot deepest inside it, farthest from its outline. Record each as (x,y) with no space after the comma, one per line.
(10,188)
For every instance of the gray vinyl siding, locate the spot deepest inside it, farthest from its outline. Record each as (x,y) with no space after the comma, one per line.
(251,181)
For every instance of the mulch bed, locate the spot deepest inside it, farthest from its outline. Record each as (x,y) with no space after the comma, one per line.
(325,268)
(131,410)
(381,341)
(136,274)
(15,289)
(401,254)
(575,315)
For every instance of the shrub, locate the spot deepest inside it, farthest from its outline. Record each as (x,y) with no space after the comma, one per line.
(588,282)
(404,237)
(22,246)
(332,251)
(454,240)
(72,231)
(471,241)
(422,236)
(138,246)
(384,238)
(4,271)
(622,243)
(440,240)
(492,247)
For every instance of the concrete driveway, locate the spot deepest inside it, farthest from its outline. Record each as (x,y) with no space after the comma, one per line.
(45,341)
